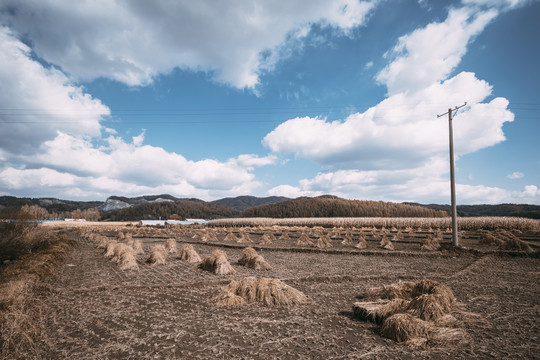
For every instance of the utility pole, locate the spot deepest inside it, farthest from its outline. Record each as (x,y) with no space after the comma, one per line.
(455,240)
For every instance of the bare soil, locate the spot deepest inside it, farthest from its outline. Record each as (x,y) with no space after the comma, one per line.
(95,311)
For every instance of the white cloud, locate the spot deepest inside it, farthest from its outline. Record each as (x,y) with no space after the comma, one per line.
(134,41)
(123,168)
(429,55)
(515,175)
(37,100)
(426,184)
(399,146)
(401,131)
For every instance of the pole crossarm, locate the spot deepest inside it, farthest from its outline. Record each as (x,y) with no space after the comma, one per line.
(455,240)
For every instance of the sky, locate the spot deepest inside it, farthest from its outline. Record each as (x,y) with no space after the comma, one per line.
(212,99)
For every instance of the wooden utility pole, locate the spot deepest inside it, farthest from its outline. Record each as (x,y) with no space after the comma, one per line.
(455,240)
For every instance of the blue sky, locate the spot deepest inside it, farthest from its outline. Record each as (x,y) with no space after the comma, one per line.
(294,98)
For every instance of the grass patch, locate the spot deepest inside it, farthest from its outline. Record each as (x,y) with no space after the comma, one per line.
(32,255)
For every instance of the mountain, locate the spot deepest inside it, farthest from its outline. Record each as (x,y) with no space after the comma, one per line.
(332,206)
(514,210)
(242,203)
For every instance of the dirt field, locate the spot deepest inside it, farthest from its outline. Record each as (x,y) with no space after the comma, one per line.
(95,311)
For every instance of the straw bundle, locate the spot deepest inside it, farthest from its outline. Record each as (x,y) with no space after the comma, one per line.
(377,311)
(119,248)
(265,290)
(170,246)
(514,243)
(362,244)
(401,290)
(304,240)
(404,327)
(266,239)
(247,254)
(137,246)
(217,263)
(347,239)
(430,306)
(430,243)
(128,261)
(102,242)
(324,242)
(386,244)
(110,248)
(252,260)
(187,253)
(230,237)
(244,238)
(158,255)
(284,236)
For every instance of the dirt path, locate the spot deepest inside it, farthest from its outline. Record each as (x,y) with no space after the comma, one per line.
(97,311)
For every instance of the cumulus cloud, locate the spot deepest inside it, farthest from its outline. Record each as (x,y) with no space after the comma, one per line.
(127,169)
(428,55)
(52,142)
(134,41)
(401,131)
(38,100)
(426,184)
(397,150)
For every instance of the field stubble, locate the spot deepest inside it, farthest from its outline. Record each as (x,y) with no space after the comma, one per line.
(169,311)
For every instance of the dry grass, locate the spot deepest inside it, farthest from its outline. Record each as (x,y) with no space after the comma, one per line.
(217,263)
(20,280)
(187,253)
(264,290)
(158,255)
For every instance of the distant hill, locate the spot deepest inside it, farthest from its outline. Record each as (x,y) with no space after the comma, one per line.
(514,210)
(183,208)
(164,205)
(332,206)
(242,203)
(51,204)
